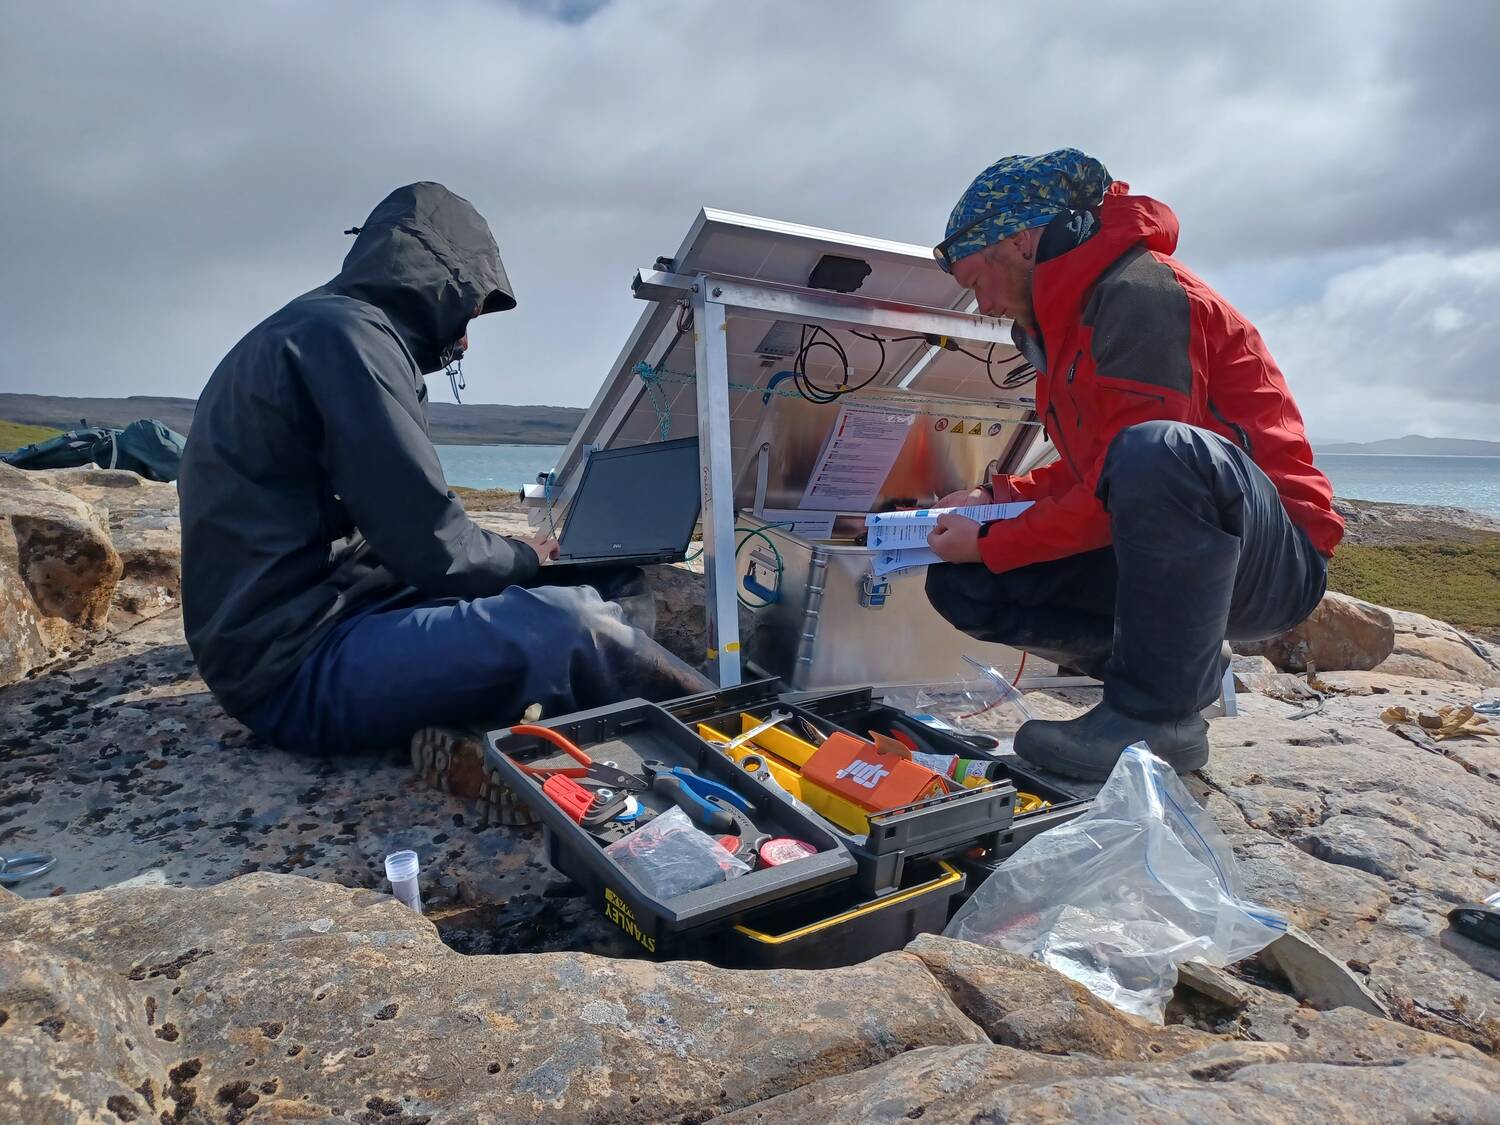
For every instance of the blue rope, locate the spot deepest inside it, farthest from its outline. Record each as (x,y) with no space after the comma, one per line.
(651,376)
(547,500)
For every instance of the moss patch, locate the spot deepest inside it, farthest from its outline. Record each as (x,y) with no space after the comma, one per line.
(13,435)
(1454,582)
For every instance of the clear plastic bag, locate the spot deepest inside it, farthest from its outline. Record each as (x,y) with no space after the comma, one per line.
(1117,898)
(988,703)
(669,857)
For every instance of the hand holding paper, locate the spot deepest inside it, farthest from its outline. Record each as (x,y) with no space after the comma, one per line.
(909,540)
(955,539)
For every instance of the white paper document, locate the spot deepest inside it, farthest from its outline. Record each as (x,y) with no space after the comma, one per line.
(857,458)
(805,525)
(899,562)
(903,531)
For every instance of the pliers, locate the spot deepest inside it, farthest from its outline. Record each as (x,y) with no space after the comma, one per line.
(913,734)
(588,771)
(702,798)
(712,806)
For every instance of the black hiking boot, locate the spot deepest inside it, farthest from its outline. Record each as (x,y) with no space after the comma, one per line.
(1089,745)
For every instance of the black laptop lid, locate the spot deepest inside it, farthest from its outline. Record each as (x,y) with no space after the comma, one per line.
(642,500)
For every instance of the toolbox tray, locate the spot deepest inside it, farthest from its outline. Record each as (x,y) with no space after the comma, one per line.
(857,709)
(839,925)
(626,734)
(943,826)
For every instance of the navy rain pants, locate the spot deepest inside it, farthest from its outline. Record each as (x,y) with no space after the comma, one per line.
(378,678)
(1203,551)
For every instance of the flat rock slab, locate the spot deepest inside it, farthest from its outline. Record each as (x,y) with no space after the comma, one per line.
(280,998)
(122,765)
(1368,841)
(1239,1082)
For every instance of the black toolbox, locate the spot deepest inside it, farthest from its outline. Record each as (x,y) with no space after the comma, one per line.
(627,734)
(839,925)
(843,905)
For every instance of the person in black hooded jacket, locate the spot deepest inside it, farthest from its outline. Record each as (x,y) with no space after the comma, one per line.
(335,594)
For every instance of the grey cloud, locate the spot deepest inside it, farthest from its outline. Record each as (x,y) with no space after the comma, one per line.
(175,172)
(1404,345)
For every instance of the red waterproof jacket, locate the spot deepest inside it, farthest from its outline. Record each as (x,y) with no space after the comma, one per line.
(1130,336)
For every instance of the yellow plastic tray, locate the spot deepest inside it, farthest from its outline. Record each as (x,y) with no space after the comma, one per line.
(779,753)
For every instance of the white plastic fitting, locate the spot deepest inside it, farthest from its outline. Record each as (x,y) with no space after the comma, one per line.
(402,868)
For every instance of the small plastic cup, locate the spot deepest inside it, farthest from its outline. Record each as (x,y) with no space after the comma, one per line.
(402,868)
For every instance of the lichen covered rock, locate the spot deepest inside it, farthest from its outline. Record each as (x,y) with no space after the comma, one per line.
(280,997)
(58,572)
(1342,633)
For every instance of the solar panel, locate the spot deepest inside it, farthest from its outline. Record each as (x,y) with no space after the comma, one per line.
(626,411)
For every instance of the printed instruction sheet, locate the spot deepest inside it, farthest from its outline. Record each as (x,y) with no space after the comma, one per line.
(895,531)
(858,456)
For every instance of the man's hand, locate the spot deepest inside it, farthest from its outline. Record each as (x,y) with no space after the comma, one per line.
(544,545)
(964,498)
(955,539)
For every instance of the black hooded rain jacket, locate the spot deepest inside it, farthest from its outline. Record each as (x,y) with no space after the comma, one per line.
(310,489)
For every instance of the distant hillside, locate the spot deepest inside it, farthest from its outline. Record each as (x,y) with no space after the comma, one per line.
(477,424)
(1417,444)
(14,435)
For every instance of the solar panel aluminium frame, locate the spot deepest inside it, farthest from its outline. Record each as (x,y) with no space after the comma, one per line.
(712,296)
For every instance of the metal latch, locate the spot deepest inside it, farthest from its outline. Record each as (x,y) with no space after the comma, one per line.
(763,577)
(873,592)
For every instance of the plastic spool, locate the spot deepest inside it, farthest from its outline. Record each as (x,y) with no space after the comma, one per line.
(402,869)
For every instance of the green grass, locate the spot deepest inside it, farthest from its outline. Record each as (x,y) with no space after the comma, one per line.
(1454,582)
(13,435)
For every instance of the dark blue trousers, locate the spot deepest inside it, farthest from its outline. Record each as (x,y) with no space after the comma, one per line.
(1203,551)
(380,677)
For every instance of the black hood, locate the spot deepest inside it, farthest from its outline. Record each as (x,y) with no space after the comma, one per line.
(426,258)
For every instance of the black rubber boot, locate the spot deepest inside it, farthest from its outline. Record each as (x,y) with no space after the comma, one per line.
(1089,745)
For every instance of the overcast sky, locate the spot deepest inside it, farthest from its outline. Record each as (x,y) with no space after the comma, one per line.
(175,172)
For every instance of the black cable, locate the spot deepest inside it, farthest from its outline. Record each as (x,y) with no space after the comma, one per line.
(1018,376)
(806,386)
(889,339)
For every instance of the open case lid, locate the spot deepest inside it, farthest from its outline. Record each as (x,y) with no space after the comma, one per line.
(948,445)
(629,411)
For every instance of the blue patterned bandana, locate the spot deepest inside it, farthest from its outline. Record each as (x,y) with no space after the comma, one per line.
(1017,193)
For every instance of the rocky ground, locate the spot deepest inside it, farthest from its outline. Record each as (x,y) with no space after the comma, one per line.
(217,984)
(1377,524)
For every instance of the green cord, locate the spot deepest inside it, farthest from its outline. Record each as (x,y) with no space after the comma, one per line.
(751,533)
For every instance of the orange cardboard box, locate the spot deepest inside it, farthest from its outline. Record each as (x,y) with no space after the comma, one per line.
(874,776)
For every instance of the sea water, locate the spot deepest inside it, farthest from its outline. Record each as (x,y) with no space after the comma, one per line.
(497,466)
(1463,482)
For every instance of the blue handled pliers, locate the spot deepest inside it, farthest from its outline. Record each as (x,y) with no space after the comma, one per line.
(700,797)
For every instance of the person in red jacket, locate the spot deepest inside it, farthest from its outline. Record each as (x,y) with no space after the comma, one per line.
(1183,507)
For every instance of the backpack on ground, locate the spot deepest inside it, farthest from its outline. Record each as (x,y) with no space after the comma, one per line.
(147,447)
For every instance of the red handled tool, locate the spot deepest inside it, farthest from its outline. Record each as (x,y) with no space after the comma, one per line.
(569,796)
(600,773)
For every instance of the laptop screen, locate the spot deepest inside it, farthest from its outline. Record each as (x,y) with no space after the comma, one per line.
(642,500)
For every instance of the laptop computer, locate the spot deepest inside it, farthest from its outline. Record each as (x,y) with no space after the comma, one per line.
(633,506)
